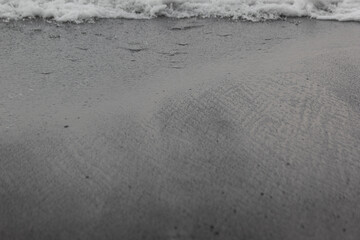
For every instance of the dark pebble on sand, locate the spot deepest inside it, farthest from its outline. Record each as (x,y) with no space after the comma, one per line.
(66,126)
(82,48)
(224,35)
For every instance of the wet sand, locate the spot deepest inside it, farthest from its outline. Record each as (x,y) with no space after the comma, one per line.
(180,129)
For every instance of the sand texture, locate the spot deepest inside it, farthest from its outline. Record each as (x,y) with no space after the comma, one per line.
(180,129)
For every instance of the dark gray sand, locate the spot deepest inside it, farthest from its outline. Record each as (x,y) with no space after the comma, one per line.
(180,129)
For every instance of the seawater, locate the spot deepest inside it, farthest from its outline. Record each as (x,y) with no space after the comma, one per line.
(252,10)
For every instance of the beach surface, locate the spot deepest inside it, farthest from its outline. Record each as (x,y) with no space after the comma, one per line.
(180,129)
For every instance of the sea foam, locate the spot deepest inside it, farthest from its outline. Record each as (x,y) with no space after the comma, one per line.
(253,10)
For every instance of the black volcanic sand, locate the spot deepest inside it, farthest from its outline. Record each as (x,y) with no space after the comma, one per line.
(180,129)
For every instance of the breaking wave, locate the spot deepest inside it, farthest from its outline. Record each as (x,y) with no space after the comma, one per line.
(253,10)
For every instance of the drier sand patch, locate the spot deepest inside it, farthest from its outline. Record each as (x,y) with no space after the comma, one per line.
(179,129)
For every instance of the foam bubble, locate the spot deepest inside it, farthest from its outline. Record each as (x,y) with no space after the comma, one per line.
(254,10)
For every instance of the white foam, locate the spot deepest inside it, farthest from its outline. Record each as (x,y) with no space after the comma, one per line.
(254,10)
